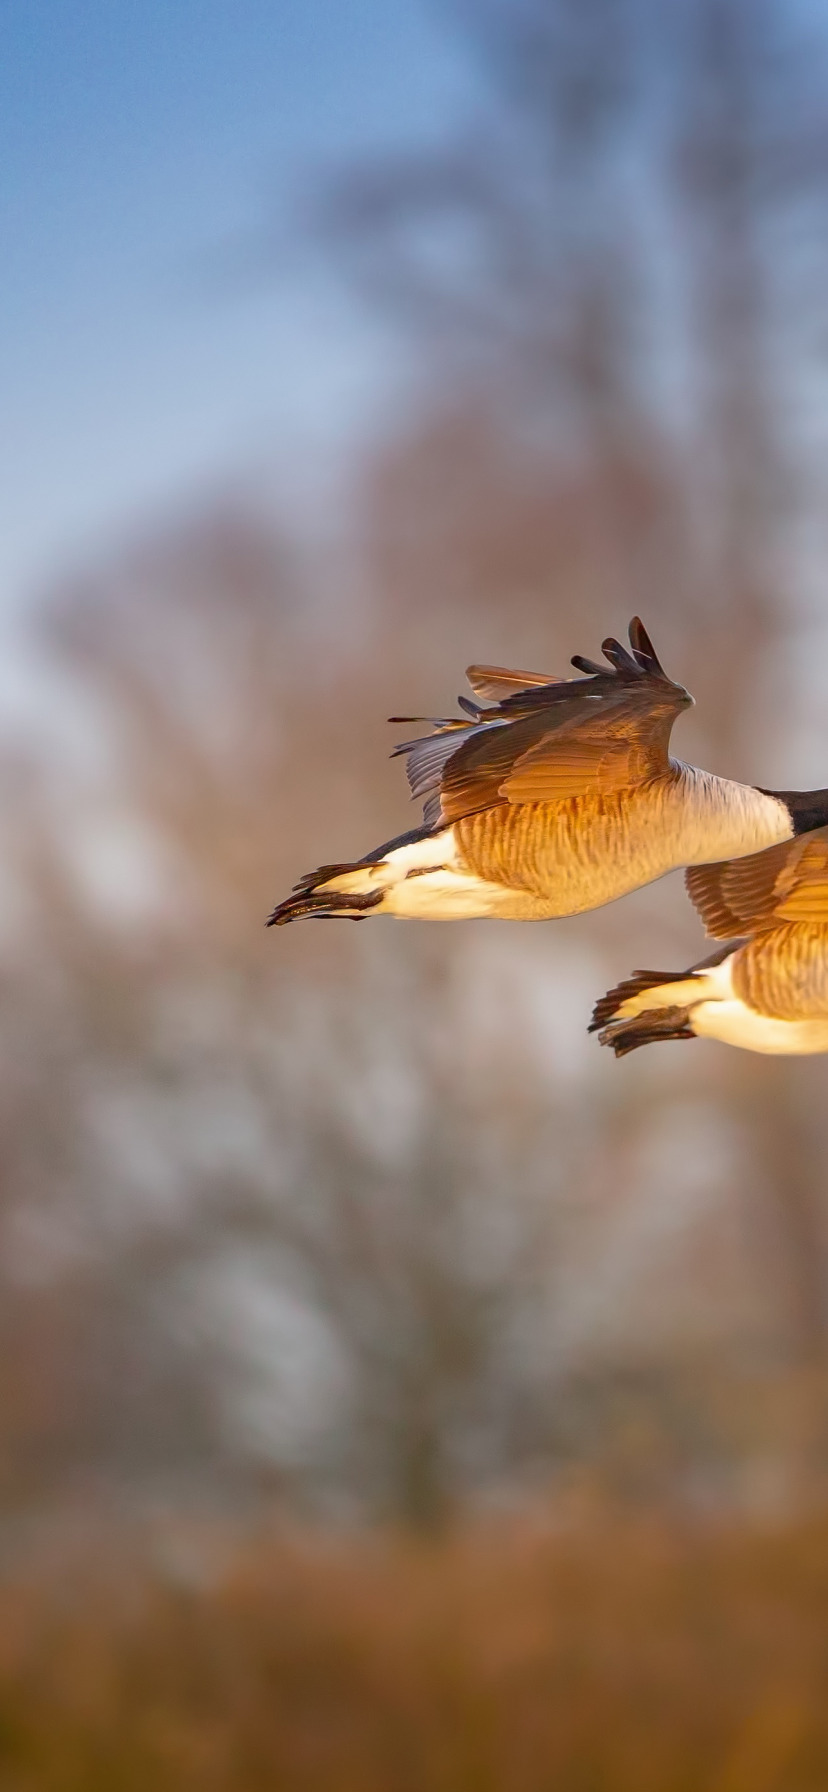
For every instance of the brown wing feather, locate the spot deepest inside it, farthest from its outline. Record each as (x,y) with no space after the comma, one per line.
(546,742)
(803,888)
(625,744)
(496,682)
(737,894)
(784,883)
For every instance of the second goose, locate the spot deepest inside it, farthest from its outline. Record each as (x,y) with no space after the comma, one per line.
(767,992)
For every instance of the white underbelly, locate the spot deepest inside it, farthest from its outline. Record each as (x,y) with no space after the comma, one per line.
(736,1024)
(448,895)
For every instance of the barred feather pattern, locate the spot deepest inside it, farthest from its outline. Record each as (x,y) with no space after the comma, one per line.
(783,972)
(590,849)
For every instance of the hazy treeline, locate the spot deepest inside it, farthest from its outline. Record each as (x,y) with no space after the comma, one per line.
(356,1216)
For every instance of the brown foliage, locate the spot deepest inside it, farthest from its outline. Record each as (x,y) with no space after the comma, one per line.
(600,1658)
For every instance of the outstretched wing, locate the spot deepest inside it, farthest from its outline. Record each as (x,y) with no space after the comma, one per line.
(544,741)
(784,883)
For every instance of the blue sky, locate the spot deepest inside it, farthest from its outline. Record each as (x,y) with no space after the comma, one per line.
(137,138)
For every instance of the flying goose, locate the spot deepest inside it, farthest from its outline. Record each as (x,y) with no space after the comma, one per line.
(557,798)
(767,992)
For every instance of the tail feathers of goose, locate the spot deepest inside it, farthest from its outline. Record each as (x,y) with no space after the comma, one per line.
(346,892)
(322,905)
(352,890)
(648,1007)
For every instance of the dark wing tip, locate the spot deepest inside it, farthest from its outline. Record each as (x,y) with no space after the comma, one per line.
(618,656)
(643,649)
(582,664)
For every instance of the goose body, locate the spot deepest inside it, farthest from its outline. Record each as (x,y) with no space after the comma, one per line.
(558,798)
(767,992)
(588,850)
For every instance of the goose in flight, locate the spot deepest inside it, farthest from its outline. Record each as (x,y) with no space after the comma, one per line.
(558,797)
(768,991)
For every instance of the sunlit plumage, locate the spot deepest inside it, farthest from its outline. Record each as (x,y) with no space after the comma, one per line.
(558,797)
(767,992)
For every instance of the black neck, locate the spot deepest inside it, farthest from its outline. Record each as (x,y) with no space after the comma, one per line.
(808,809)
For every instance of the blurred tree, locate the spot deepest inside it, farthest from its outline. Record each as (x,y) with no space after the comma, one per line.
(356,1211)
(248,1145)
(618,275)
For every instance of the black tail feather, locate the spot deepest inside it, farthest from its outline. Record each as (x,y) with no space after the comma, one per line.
(650,1028)
(609,1004)
(309,897)
(311,880)
(322,906)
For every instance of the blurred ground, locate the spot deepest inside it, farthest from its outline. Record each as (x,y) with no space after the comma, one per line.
(631,1657)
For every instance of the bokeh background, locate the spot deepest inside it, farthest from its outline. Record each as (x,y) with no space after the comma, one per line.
(395,1391)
